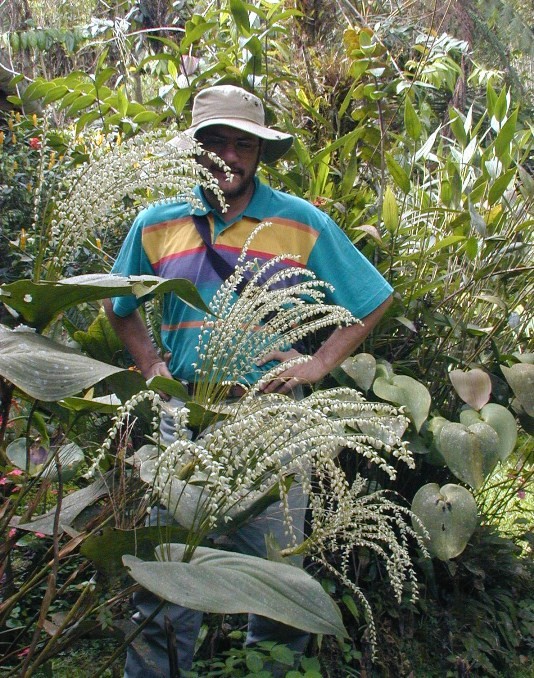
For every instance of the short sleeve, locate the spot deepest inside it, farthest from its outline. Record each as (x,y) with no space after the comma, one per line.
(131,260)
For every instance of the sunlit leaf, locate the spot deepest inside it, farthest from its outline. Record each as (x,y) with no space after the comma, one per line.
(362,369)
(473,387)
(412,123)
(390,210)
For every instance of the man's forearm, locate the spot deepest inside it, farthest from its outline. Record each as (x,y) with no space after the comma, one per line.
(340,345)
(133,333)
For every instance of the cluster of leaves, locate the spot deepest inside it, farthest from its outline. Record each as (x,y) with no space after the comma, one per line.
(439,197)
(19,159)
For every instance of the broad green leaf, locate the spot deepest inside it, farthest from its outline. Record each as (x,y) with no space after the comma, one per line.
(145,116)
(86,119)
(362,369)
(470,452)
(384,369)
(15,100)
(103,76)
(505,136)
(254,46)
(412,124)
(240,15)
(500,185)
(44,369)
(491,99)
(500,419)
(54,94)
(398,173)
(403,390)
(445,242)
(445,192)
(170,386)
(38,89)
(449,515)
(103,404)
(180,99)
(38,303)
(471,247)
(473,387)
(501,105)
(194,33)
(390,210)
(68,99)
(283,655)
(520,377)
(232,583)
(457,126)
(82,101)
(99,340)
(122,102)
(350,174)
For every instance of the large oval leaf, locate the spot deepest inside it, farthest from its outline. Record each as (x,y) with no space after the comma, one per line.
(449,515)
(403,390)
(470,452)
(44,369)
(233,583)
(500,419)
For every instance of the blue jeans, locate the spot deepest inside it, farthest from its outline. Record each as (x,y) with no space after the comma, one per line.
(148,657)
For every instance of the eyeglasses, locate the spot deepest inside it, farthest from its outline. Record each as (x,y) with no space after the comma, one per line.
(216,144)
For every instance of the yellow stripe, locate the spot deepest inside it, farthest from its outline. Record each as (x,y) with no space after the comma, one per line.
(284,236)
(170,237)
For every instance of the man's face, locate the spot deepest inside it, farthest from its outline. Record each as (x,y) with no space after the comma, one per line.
(239,150)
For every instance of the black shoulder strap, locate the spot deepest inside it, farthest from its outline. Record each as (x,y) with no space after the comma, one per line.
(219,263)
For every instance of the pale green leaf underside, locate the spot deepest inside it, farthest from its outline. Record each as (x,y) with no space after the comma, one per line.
(46,370)
(231,583)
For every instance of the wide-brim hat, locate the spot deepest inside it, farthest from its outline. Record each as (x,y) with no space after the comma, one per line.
(235,107)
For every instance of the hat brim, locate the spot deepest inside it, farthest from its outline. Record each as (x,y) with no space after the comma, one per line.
(275,143)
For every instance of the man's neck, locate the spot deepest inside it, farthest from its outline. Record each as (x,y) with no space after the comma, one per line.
(236,205)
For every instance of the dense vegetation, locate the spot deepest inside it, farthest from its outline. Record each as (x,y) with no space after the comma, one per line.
(413,129)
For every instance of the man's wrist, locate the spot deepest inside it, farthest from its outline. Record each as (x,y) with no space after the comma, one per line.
(147,366)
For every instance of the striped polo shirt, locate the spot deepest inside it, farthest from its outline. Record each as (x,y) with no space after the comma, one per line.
(164,241)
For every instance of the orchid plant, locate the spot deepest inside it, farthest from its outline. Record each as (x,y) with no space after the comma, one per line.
(229,459)
(249,452)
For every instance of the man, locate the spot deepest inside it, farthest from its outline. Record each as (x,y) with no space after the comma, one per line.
(167,241)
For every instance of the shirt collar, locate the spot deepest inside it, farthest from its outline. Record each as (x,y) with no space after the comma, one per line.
(253,209)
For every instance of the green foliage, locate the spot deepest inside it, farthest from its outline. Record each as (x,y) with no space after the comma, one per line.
(439,197)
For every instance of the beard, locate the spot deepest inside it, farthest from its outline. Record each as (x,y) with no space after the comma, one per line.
(242,183)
